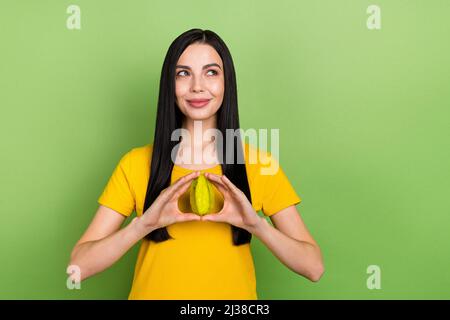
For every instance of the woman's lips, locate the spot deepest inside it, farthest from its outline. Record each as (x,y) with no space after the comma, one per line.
(198,103)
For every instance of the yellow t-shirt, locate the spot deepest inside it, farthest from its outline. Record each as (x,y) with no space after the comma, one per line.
(201,261)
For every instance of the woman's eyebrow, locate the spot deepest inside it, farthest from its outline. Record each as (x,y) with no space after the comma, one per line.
(204,67)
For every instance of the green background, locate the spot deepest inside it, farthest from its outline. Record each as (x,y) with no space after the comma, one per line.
(363,118)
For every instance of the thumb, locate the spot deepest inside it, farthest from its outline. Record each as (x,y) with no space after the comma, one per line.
(212,217)
(188,217)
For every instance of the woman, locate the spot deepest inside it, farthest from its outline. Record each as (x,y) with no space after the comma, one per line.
(184,255)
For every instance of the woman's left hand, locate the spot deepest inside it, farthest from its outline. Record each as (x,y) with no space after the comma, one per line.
(237,210)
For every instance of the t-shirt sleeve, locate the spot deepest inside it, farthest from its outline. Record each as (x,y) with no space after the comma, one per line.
(118,194)
(278,193)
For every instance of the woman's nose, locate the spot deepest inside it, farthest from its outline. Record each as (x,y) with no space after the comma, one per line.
(197,85)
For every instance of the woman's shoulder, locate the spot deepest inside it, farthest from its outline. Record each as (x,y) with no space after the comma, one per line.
(256,156)
(142,149)
(141,153)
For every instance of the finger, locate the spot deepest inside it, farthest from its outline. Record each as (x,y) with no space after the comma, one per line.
(231,186)
(181,190)
(215,178)
(221,187)
(222,190)
(215,217)
(188,217)
(181,182)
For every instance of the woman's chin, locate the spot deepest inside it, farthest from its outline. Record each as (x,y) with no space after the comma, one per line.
(200,114)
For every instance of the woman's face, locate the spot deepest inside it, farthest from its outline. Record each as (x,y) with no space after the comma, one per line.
(199,76)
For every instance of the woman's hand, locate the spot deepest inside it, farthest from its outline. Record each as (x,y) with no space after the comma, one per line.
(164,210)
(237,210)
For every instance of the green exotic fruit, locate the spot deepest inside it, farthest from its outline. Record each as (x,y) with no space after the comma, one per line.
(202,196)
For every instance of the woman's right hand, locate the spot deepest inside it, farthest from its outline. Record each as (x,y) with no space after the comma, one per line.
(164,210)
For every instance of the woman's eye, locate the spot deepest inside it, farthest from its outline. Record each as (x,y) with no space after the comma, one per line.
(183,73)
(180,73)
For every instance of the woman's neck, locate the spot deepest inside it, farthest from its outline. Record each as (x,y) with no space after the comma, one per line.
(197,150)
(199,137)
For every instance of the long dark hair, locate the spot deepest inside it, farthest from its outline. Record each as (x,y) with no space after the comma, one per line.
(169,118)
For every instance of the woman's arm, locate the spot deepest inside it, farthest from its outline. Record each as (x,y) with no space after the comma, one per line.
(103,243)
(291,242)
